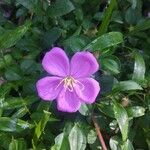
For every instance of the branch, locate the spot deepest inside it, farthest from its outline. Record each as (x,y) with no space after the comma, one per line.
(99,133)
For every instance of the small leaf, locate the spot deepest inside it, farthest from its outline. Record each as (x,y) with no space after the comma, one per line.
(29,4)
(106,108)
(5,61)
(41,125)
(145,25)
(61,142)
(110,65)
(107,82)
(136,111)
(77,139)
(13,125)
(139,68)
(17,145)
(12,75)
(20,113)
(51,36)
(60,8)
(115,143)
(127,145)
(16,102)
(5,140)
(126,86)
(131,16)
(85,109)
(14,36)
(105,41)
(92,136)
(122,119)
(75,43)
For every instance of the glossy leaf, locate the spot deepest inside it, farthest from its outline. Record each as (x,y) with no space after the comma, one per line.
(61,142)
(126,86)
(136,111)
(110,65)
(75,43)
(77,138)
(139,68)
(122,119)
(105,41)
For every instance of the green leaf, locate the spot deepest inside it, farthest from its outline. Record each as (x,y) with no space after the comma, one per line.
(12,75)
(60,8)
(20,113)
(29,4)
(77,138)
(41,126)
(122,119)
(75,43)
(144,25)
(106,82)
(110,65)
(13,125)
(126,86)
(115,143)
(5,61)
(17,145)
(91,137)
(139,68)
(105,41)
(85,109)
(135,111)
(51,36)
(127,145)
(131,16)
(16,102)
(61,142)
(5,139)
(14,36)
(107,17)
(106,108)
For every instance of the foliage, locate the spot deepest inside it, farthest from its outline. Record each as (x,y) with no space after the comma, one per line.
(116,32)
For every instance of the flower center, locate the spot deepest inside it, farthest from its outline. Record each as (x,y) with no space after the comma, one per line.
(69,83)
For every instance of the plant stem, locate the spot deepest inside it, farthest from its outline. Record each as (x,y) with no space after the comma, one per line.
(107,16)
(99,134)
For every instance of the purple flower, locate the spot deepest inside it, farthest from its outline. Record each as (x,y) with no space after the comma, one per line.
(70,84)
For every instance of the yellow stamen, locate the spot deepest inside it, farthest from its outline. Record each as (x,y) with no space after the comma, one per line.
(70,83)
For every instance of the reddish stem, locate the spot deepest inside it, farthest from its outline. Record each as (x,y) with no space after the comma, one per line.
(99,134)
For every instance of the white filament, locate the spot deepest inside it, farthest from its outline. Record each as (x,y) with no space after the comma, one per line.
(69,84)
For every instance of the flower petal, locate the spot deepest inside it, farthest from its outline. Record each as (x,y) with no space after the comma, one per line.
(90,90)
(48,88)
(83,64)
(68,101)
(56,62)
